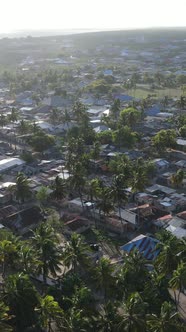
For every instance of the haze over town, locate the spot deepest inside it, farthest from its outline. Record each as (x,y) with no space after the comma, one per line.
(72,14)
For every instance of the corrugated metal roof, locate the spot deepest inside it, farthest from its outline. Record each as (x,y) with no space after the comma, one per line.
(10,162)
(145,244)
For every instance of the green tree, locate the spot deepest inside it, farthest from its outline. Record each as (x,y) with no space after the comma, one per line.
(4,317)
(166,321)
(164,139)
(42,195)
(133,315)
(178,280)
(41,141)
(103,276)
(21,189)
(124,137)
(60,188)
(117,191)
(3,120)
(177,178)
(7,252)
(22,298)
(75,253)
(49,312)
(130,117)
(45,241)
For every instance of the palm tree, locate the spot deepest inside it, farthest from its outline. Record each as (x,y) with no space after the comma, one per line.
(79,111)
(3,120)
(108,318)
(75,253)
(60,187)
(42,196)
(117,191)
(105,203)
(177,178)
(7,252)
(132,275)
(132,317)
(46,242)
(22,298)
(27,258)
(21,189)
(103,277)
(4,317)
(23,127)
(49,312)
(178,280)
(167,260)
(167,321)
(139,180)
(77,180)
(13,117)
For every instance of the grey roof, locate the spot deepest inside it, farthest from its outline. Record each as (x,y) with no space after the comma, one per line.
(158,187)
(5,164)
(177,222)
(181,141)
(177,231)
(127,216)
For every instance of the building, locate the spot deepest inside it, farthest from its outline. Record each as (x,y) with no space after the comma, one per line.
(9,163)
(144,244)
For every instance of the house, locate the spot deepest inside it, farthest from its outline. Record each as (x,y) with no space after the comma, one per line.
(75,205)
(159,189)
(78,225)
(162,222)
(177,226)
(160,164)
(22,221)
(181,143)
(56,101)
(181,164)
(123,98)
(9,163)
(129,217)
(144,244)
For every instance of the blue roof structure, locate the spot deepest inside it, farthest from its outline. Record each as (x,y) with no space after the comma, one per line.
(123,97)
(153,111)
(146,245)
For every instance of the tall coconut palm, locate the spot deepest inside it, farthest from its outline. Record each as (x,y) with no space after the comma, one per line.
(45,241)
(27,261)
(49,313)
(167,260)
(3,120)
(22,298)
(178,280)
(177,178)
(117,191)
(166,321)
(21,189)
(75,253)
(4,317)
(105,203)
(8,250)
(132,317)
(60,188)
(103,276)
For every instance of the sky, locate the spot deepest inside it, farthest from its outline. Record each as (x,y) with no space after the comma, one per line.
(90,14)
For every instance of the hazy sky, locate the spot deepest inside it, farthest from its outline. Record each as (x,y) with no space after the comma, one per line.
(71,14)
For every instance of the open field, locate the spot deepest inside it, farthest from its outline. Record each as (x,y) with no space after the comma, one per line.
(143,93)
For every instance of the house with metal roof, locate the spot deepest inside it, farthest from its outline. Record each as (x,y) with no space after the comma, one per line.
(9,163)
(146,245)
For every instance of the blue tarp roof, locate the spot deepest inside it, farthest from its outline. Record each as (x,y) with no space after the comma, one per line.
(145,244)
(154,110)
(123,97)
